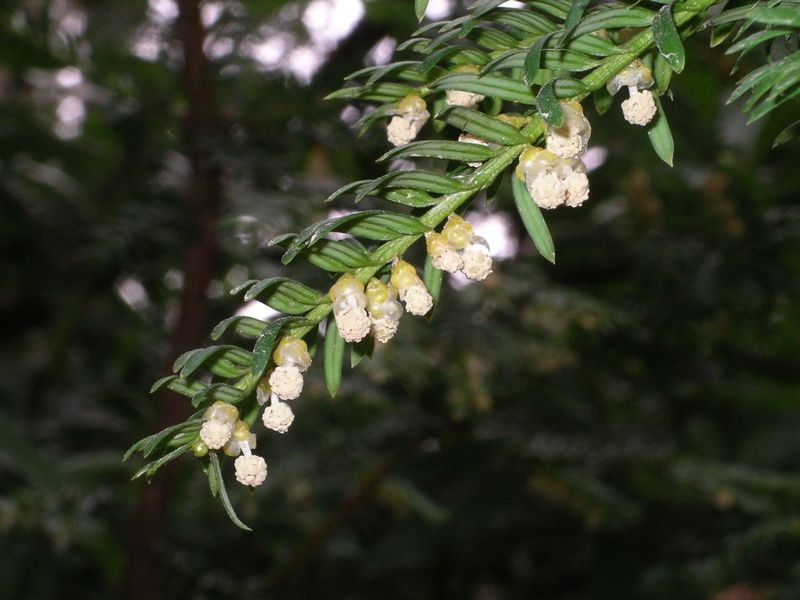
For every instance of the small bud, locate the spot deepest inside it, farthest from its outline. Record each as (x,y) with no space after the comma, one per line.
(199,449)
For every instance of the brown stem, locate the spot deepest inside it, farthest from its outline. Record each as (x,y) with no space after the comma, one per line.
(202,199)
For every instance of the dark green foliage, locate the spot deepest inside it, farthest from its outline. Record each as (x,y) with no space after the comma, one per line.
(661,136)
(333,358)
(623,425)
(778,81)
(533,220)
(668,40)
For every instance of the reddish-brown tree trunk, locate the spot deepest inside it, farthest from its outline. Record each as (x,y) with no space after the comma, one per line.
(142,580)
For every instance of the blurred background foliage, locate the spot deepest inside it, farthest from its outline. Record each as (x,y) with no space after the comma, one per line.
(621,425)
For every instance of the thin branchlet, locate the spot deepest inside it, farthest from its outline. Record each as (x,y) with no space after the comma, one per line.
(271,378)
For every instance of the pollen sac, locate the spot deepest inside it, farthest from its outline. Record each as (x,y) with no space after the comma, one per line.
(444,256)
(410,287)
(537,168)
(383,329)
(460,98)
(278,416)
(571,139)
(477,262)
(411,116)
(215,434)
(250,470)
(218,422)
(465,251)
(552,181)
(286,382)
(572,174)
(639,108)
(349,308)
(384,309)
(465,99)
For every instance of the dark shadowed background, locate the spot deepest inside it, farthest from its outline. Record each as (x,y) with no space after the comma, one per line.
(623,425)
